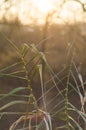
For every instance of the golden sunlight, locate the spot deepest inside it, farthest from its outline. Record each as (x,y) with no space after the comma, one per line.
(44,6)
(68,11)
(33,11)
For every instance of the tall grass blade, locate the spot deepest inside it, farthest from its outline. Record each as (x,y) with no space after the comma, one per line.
(13,92)
(42,85)
(75,122)
(12,103)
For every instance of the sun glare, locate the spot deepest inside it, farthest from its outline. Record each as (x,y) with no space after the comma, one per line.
(44,6)
(30,11)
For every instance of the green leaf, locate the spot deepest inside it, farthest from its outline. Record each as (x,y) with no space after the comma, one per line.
(61,127)
(12,44)
(11,75)
(13,92)
(81,114)
(24,49)
(43,57)
(40,73)
(75,122)
(11,104)
(10,66)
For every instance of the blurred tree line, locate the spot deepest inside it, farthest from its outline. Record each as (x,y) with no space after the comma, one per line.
(7,12)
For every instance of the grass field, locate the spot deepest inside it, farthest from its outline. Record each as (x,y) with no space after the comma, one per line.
(42,77)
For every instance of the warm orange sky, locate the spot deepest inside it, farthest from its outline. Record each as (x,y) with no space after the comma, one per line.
(29,10)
